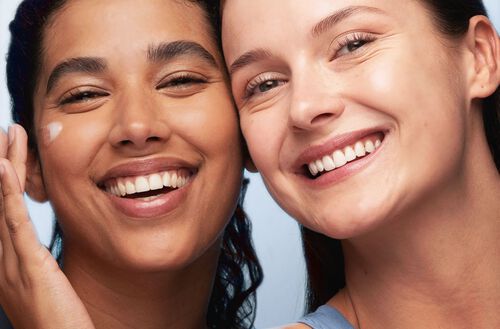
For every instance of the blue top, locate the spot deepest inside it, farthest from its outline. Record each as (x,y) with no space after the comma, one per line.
(326,317)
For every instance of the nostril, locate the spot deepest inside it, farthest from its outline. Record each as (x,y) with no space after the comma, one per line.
(322,117)
(125,142)
(153,139)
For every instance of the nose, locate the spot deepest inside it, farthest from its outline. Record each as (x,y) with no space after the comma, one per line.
(315,101)
(139,123)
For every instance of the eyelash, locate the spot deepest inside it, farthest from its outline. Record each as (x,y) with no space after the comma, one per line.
(181,80)
(345,41)
(258,81)
(350,40)
(178,81)
(81,96)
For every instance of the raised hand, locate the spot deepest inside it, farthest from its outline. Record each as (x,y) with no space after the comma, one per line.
(34,292)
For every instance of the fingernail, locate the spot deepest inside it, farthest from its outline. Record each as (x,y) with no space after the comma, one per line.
(12,134)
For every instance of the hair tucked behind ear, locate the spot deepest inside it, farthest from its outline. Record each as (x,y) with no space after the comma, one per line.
(452,20)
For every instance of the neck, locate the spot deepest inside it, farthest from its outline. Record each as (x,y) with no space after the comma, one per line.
(435,266)
(117,298)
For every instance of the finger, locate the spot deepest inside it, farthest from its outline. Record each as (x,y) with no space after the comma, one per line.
(9,258)
(17,151)
(20,228)
(3,143)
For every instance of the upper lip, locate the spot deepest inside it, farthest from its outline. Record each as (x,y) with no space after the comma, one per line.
(315,152)
(146,167)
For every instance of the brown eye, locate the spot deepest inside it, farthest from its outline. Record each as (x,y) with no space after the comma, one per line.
(181,82)
(82,96)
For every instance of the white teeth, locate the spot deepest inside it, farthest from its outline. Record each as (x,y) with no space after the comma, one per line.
(369,147)
(340,157)
(312,169)
(319,165)
(328,163)
(139,184)
(129,187)
(173,180)
(349,154)
(122,188)
(166,179)
(155,182)
(359,148)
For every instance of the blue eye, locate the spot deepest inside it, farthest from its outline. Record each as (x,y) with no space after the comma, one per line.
(263,83)
(351,43)
(268,85)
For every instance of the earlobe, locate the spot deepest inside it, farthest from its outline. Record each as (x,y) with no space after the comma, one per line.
(485,46)
(34,179)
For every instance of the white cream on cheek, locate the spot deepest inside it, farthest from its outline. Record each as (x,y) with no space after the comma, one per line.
(50,132)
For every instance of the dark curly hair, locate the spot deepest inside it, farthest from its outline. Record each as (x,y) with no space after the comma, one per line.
(232,303)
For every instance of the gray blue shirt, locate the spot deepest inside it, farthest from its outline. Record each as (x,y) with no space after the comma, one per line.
(326,317)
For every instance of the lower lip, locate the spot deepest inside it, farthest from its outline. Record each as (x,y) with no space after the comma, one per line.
(154,208)
(351,168)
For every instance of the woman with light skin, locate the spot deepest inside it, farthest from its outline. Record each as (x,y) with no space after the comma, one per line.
(133,138)
(376,124)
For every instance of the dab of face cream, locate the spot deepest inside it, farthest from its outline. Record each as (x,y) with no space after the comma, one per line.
(50,132)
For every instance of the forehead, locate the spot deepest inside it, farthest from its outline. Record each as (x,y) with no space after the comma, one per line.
(256,22)
(106,28)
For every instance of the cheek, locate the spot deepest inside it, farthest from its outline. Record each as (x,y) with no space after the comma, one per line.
(262,135)
(50,132)
(69,145)
(211,124)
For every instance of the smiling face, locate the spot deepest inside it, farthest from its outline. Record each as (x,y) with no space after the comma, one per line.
(138,140)
(354,111)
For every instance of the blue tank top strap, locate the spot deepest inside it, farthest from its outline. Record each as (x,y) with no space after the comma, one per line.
(326,317)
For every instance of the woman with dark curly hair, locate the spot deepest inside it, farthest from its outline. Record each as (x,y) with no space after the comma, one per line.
(130,133)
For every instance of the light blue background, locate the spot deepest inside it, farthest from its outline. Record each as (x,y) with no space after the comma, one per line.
(276,236)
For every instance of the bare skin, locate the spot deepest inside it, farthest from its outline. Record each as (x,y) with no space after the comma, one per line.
(149,108)
(420,221)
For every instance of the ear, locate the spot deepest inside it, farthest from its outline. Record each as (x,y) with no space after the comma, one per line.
(34,179)
(483,42)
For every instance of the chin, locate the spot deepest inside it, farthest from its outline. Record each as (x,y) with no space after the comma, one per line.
(350,222)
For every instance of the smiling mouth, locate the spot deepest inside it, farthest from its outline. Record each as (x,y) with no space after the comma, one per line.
(147,187)
(342,156)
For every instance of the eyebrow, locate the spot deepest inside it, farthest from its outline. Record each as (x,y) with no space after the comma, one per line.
(168,51)
(75,65)
(338,16)
(162,52)
(321,27)
(248,58)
